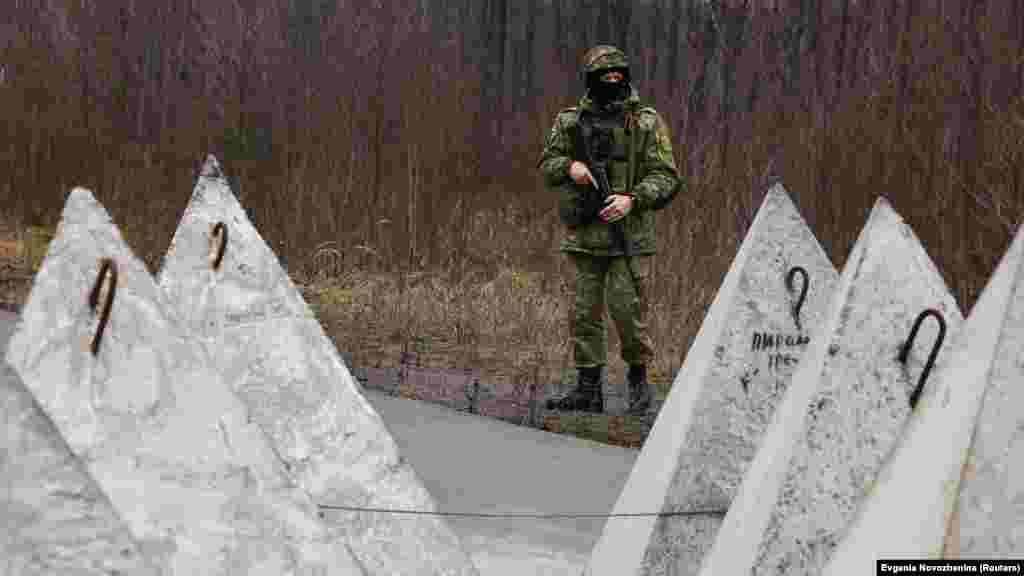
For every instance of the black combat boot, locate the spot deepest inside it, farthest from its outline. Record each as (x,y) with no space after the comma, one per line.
(586,397)
(640,395)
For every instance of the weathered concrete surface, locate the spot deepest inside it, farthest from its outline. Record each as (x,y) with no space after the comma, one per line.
(844,410)
(453,452)
(722,399)
(54,519)
(477,464)
(162,434)
(275,356)
(991,504)
(909,507)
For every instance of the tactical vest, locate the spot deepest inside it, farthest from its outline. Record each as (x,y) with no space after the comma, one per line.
(612,144)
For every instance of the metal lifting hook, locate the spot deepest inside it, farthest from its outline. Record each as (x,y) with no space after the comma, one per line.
(108,271)
(803,292)
(220,237)
(905,350)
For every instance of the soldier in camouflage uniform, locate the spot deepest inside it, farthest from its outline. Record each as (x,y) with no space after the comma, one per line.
(636,156)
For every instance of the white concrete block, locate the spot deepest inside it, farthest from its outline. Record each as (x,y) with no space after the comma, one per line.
(54,519)
(274,354)
(991,503)
(843,412)
(909,507)
(163,435)
(722,399)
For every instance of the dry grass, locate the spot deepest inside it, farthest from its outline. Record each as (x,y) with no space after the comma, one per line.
(512,326)
(428,189)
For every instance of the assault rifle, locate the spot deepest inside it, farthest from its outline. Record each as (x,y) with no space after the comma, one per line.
(593,149)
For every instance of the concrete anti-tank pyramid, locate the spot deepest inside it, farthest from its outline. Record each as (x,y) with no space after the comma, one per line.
(164,437)
(722,400)
(55,518)
(909,508)
(845,408)
(989,519)
(273,352)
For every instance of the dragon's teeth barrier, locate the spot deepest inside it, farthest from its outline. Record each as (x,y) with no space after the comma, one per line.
(138,402)
(757,329)
(845,408)
(226,283)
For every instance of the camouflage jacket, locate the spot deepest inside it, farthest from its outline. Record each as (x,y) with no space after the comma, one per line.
(655,183)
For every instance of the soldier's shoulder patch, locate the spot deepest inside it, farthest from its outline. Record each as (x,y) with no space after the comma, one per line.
(663,142)
(648,117)
(662,132)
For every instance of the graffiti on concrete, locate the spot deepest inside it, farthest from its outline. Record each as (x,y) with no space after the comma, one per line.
(774,351)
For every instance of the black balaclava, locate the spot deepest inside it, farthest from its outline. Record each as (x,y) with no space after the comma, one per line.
(605,93)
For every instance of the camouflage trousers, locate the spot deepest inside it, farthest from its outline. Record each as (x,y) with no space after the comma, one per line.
(602,279)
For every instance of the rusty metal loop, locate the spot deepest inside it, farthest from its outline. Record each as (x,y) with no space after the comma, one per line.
(803,291)
(219,235)
(905,350)
(108,269)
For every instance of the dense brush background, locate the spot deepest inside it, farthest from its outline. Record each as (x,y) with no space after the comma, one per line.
(406,134)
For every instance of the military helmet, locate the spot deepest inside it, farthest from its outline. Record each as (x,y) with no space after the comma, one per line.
(604,57)
(601,59)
